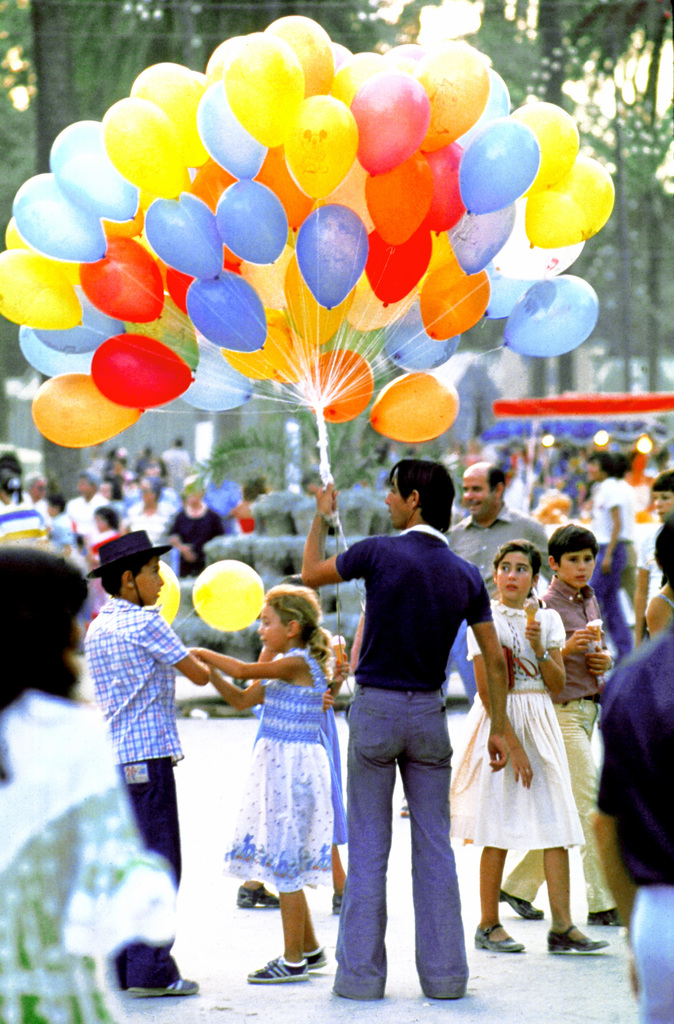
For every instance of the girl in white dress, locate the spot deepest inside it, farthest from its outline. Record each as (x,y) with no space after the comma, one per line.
(284,830)
(530,804)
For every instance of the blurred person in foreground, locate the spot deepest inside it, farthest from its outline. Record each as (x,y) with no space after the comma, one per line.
(75,881)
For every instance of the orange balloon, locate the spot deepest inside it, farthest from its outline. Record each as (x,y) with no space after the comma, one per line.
(267,278)
(314,323)
(276,176)
(414,408)
(399,200)
(341,385)
(70,410)
(451,301)
(210,182)
(456,81)
(313,49)
(351,192)
(126,228)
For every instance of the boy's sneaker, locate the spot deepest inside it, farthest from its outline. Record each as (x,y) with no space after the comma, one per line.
(247,899)
(181,987)
(337,898)
(316,960)
(278,971)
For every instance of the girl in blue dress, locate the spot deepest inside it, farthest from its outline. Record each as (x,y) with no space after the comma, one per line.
(285,827)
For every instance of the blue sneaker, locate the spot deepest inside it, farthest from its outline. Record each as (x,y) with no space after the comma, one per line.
(278,971)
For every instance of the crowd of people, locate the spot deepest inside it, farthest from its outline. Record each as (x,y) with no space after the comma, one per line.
(518,607)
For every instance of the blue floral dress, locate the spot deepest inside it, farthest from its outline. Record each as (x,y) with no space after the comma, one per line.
(284,830)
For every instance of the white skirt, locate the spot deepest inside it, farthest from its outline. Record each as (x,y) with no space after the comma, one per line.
(491,809)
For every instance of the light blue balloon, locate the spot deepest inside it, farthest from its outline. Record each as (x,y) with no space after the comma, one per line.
(228,311)
(552,317)
(94,329)
(183,233)
(86,175)
(54,226)
(477,238)
(48,360)
(332,249)
(217,386)
(252,222)
(225,140)
(504,292)
(409,346)
(498,166)
(498,105)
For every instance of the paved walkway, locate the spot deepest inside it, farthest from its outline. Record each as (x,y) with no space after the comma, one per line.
(219,944)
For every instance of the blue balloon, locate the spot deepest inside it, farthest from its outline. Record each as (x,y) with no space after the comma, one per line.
(498,166)
(183,233)
(409,346)
(48,360)
(498,105)
(477,238)
(252,222)
(54,226)
(217,386)
(95,328)
(86,175)
(503,294)
(554,316)
(225,140)
(228,311)
(332,249)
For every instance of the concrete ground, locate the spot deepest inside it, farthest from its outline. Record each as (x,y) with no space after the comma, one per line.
(219,944)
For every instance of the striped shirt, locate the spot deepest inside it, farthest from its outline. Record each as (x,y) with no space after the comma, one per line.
(21,522)
(131,652)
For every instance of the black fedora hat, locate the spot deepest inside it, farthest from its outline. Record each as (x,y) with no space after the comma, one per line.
(121,549)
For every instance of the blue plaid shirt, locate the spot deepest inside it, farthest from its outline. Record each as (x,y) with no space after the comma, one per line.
(131,652)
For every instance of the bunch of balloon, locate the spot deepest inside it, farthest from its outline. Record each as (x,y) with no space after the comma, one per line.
(303,224)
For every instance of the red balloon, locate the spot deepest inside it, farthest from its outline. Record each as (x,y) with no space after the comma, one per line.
(177,284)
(126,283)
(446,208)
(140,372)
(394,270)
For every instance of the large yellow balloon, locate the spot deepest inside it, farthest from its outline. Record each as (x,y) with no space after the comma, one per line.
(558,138)
(574,209)
(321,144)
(144,145)
(228,595)
(35,291)
(168,601)
(314,323)
(70,410)
(177,91)
(312,46)
(221,57)
(414,408)
(456,81)
(265,85)
(13,240)
(353,73)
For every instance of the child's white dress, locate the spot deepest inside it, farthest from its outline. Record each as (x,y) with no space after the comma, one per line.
(284,830)
(491,808)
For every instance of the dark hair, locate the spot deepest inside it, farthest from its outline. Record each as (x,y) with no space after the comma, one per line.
(57,501)
(664,481)
(42,592)
(571,538)
(604,460)
(664,549)
(524,547)
(435,487)
(111,579)
(620,464)
(109,515)
(495,476)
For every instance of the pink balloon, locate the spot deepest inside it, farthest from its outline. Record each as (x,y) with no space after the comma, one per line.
(393,113)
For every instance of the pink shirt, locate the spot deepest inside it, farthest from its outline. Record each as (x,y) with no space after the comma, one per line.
(576,608)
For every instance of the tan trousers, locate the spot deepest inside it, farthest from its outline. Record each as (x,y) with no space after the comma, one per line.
(576,720)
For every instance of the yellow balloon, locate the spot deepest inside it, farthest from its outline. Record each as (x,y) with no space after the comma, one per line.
(414,408)
(312,46)
(177,91)
(590,185)
(221,57)
(228,595)
(168,601)
(126,228)
(456,81)
(574,209)
(368,313)
(35,291)
(144,145)
(70,410)
(13,240)
(353,73)
(321,144)
(274,356)
(312,322)
(265,85)
(267,279)
(558,138)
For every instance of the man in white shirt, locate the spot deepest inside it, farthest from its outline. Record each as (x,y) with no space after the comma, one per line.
(82,508)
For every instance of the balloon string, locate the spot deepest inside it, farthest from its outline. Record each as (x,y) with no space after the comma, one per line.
(324,461)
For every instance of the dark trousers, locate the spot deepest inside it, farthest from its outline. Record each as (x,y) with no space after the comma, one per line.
(156,811)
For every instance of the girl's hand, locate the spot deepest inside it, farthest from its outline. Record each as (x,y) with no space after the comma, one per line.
(598,662)
(533,635)
(328,701)
(579,641)
(521,766)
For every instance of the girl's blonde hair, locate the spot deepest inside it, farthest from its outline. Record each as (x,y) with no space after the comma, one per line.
(300,604)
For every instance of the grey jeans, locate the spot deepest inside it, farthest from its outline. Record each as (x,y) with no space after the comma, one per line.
(407,729)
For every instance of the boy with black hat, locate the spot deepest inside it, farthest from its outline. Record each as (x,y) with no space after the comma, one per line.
(132,653)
